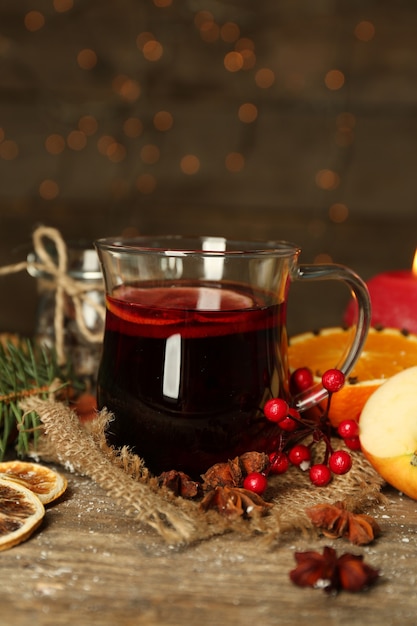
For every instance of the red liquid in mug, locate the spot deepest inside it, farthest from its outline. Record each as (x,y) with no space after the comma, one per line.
(186,370)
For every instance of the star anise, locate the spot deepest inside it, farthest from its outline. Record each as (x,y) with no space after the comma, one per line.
(180,483)
(332,573)
(231,473)
(254,462)
(227,474)
(234,502)
(334,521)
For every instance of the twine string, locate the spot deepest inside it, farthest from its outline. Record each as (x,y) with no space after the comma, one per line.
(64,286)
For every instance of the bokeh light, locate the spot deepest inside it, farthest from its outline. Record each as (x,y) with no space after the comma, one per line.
(190,164)
(76,140)
(150,154)
(338,212)
(323,258)
(235,162)
(61,6)
(146,183)
(209,31)
(87,59)
(163,120)
(126,87)
(88,124)
(264,78)
(116,152)
(248,112)
(48,189)
(327,179)
(133,127)
(345,124)
(230,32)
(9,150)
(34,20)
(364,31)
(104,143)
(233,61)
(334,80)
(152,50)
(55,144)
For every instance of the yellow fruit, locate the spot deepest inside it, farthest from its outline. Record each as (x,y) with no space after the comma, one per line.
(43,481)
(386,352)
(21,512)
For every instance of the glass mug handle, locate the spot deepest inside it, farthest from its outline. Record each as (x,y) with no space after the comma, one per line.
(310,397)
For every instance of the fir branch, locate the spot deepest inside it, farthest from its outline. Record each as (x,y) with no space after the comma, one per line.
(26,369)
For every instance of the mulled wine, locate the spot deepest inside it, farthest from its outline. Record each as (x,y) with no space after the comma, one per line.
(186,369)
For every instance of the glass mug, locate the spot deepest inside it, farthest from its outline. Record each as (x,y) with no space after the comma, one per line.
(195,343)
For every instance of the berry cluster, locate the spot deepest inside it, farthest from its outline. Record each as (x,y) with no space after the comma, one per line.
(298,435)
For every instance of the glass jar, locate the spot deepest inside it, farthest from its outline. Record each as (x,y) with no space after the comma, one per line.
(80,322)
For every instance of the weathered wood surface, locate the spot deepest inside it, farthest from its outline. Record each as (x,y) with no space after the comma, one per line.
(90,565)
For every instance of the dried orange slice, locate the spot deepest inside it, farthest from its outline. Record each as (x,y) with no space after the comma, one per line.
(386,352)
(21,512)
(43,481)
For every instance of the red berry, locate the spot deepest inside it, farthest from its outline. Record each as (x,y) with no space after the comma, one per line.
(279,463)
(256,482)
(340,462)
(301,379)
(291,421)
(300,455)
(353,443)
(348,428)
(276,409)
(333,380)
(320,475)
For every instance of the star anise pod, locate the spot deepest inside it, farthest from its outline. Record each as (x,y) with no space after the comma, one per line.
(332,573)
(180,483)
(334,520)
(228,474)
(232,472)
(254,462)
(354,574)
(234,502)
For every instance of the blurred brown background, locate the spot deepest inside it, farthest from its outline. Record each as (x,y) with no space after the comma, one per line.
(284,119)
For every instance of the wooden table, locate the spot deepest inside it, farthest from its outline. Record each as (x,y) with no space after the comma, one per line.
(90,565)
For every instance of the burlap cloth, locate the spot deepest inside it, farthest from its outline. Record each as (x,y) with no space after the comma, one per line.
(125,478)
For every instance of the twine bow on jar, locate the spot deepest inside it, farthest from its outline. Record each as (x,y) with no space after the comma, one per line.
(79,291)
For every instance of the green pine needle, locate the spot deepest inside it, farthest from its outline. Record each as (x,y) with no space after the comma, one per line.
(26,369)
